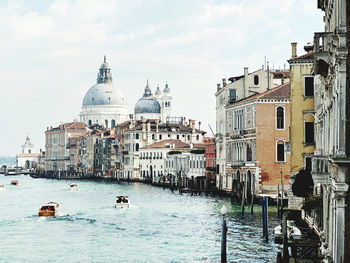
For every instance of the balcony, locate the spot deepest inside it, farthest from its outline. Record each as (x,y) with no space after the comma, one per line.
(320,169)
(236,134)
(237,164)
(322,43)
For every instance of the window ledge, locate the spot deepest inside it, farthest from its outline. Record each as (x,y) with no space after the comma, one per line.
(309,144)
(308,97)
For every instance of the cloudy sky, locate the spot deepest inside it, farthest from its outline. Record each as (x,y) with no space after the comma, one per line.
(50,52)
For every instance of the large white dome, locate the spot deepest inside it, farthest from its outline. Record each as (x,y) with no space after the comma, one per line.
(104,94)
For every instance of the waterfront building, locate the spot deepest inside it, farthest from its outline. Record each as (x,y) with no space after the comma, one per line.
(153,156)
(27,159)
(57,156)
(210,164)
(105,164)
(302,116)
(156,107)
(240,87)
(87,149)
(104,103)
(257,133)
(186,166)
(145,132)
(330,164)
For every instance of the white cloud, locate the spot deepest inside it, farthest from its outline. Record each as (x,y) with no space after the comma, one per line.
(50,55)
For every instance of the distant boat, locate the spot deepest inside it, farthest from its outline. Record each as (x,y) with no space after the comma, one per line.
(11,171)
(2,187)
(49,209)
(15,182)
(122,201)
(73,186)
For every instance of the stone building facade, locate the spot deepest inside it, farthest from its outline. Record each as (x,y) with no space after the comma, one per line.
(330,165)
(57,156)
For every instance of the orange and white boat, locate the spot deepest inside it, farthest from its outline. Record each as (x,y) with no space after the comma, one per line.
(49,209)
(14,182)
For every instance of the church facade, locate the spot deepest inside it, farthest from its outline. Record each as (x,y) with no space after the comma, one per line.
(27,159)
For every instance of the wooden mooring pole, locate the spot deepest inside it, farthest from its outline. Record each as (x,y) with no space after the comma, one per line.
(243,198)
(278,202)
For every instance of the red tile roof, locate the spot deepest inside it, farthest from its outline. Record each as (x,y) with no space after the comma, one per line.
(279,92)
(166,144)
(307,56)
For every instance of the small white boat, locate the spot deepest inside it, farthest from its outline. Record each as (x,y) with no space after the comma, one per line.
(293,233)
(122,201)
(11,171)
(73,186)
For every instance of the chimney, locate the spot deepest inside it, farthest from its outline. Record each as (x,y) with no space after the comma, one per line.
(219,86)
(193,125)
(245,87)
(294,49)
(189,122)
(224,82)
(199,125)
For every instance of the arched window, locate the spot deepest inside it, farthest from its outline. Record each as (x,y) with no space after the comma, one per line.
(137,147)
(280,151)
(113,124)
(256,79)
(197,137)
(90,122)
(106,123)
(152,136)
(136,136)
(160,137)
(280,117)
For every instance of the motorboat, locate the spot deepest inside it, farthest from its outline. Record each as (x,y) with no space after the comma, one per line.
(49,209)
(2,187)
(122,201)
(15,182)
(11,171)
(73,186)
(293,233)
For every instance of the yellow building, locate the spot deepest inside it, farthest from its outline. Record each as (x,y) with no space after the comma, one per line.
(302,111)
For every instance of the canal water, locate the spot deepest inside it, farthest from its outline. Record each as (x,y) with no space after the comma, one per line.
(160,226)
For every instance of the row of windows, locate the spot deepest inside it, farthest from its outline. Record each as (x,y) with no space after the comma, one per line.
(160,136)
(149,155)
(196,164)
(106,123)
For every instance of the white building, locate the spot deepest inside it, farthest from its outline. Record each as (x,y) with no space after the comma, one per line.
(104,103)
(27,159)
(146,132)
(153,156)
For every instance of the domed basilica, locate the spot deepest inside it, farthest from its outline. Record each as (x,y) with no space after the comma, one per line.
(104,103)
(154,107)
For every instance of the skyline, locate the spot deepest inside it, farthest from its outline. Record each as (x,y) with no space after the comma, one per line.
(52,52)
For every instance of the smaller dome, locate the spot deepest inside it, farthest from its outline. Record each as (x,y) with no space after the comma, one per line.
(147,105)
